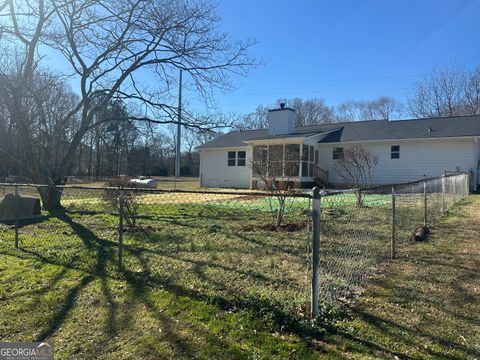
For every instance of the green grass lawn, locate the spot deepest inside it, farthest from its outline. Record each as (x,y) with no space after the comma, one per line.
(193,282)
(164,182)
(199,279)
(426,305)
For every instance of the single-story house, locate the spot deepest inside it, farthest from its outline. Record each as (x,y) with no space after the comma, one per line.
(406,150)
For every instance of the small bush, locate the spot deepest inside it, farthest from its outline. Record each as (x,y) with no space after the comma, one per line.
(130,203)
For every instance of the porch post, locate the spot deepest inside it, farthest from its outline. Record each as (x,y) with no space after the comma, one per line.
(268,162)
(300,163)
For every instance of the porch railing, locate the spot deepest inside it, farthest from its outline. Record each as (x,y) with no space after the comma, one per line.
(320,174)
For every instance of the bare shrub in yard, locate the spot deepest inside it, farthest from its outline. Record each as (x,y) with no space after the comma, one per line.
(275,171)
(130,203)
(356,168)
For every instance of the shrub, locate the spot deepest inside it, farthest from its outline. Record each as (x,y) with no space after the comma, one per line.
(130,201)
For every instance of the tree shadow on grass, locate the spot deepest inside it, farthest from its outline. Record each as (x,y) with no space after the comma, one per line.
(432,333)
(103,255)
(143,282)
(37,219)
(60,315)
(409,336)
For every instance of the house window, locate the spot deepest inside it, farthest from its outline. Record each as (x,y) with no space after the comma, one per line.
(337,153)
(232,157)
(237,158)
(241,158)
(395,152)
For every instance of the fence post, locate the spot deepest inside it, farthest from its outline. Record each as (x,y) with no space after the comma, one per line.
(120,228)
(425,203)
(394,225)
(17,205)
(454,188)
(467,183)
(316,209)
(443,195)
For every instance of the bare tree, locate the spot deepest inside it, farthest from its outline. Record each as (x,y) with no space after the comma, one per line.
(356,168)
(349,110)
(276,170)
(193,139)
(472,93)
(107,44)
(439,94)
(310,112)
(383,108)
(257,119)
(307,112)
(111,197)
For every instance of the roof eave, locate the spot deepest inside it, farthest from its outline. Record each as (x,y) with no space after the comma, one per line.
(401,139)
(282,140)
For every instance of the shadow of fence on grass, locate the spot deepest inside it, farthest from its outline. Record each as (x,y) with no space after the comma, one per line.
(104,267)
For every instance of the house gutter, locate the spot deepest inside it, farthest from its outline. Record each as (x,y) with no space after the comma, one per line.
(279,140)
(403,139)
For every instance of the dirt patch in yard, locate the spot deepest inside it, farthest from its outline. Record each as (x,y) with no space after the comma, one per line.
(288,227)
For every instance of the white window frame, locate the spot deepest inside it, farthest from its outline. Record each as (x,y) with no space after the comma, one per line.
(394,152)
(234,159)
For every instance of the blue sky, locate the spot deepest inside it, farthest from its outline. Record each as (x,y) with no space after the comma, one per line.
(339,50)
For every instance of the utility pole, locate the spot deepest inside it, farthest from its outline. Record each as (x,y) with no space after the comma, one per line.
(179,128)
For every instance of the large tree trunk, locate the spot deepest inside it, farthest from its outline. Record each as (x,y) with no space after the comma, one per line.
(51,197)
(90,157)
(98,159)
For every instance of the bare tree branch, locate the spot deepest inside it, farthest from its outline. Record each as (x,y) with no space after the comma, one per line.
(356,168)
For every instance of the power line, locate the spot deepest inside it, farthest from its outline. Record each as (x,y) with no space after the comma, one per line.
(368,62)
(337,79)
(287,92)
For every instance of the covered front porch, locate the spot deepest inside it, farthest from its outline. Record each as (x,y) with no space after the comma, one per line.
(286,163)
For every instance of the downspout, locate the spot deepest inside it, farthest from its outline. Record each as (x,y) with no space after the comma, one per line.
(200,177)
(251,166)
(477,141)
(478,175)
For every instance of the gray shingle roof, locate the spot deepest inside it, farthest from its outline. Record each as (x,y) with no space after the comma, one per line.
(366,131)
(234,138)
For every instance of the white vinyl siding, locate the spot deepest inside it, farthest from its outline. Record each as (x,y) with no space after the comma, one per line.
(215,172)
(418,158)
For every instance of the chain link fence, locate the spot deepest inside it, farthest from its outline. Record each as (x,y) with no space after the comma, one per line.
(224,247)
(237,249)
(361,230)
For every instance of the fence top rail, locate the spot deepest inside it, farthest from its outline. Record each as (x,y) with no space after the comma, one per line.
(299,194)
(385,186)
